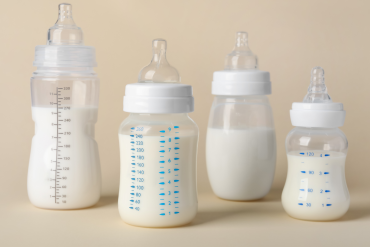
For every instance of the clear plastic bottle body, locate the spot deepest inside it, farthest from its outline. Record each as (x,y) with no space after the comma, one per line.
(241,147)
(315,187)
(158,169)
(64,168)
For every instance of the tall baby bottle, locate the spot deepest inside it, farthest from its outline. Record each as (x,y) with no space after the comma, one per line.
(241,146)
(64,168)
(316,187)
(158,148)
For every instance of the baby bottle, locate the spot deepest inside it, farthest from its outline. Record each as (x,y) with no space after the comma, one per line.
(241,146)
(158,148)
(315,187)
(64,168)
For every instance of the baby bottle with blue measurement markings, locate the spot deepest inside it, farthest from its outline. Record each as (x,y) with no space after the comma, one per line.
(315,187)
(64,167)
(158,148)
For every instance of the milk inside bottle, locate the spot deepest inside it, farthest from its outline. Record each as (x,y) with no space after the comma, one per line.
(64,167)
(158,148)
(241,146)
(315,187)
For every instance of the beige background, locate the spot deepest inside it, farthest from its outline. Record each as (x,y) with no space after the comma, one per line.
(289,37)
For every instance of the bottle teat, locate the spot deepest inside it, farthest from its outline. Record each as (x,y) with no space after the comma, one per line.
(241,58)
(317,91)
(159,70)
(65,31)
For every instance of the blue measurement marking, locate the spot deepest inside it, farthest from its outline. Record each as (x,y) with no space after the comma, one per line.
(301,189)
(161,151)
(176,158)
(176,169)
(162,161)
(161,177)
(176,138)
(133,149)
(131,208)
(175,192)
(176,197)
(162,146)
(177,212)
(303,171)
(326,172)
(133,128)
(162,194)
(161,199)
(177,132)
(162,136)
(162,208)
(327,154)
(162,141)
(131,200)
(132,135)
(162,131)
(176,202)
(301,153)
(300,204)
(162,204)
(162,156)
(176,143)
(161,167)
(161,172)
(175,127)
(133,164)
(161,183)
(133,171)
(132,186)
(132,178)
(176,186)
(328,205)
(132,194)
(132,142)
(327,191)
(161,188)
(176,180)
(176,148)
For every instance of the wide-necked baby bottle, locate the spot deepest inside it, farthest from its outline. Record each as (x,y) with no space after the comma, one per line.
(158,148)
(64,168)
(241,146)
(315,187)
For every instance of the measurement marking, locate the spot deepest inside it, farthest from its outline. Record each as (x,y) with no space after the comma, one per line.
(56,153)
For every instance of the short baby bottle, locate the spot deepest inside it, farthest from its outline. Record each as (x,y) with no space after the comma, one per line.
(241,146)
(315,187)
(64,168)
(158,148)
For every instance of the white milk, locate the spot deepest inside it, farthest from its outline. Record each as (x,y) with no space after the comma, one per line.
(77,181)
(316,187)
(158,175)
(241,163)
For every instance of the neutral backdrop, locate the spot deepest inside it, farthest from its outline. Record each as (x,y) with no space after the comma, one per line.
(289,37)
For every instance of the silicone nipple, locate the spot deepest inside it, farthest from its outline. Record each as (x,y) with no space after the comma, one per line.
(241,58)
(159,70)
(317,91)
(65,31)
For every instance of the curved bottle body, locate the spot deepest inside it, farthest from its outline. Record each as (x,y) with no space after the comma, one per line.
(158,170)
(64,168)
(241,147)
(315,187)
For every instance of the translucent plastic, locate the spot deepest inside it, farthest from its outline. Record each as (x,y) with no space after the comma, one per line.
(317,91)
(316,187)
(64,168)
(241,147)
(241,58)
(159,70)
(158,170)
(65,31)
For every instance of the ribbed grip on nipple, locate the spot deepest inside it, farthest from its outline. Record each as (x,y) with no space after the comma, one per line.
(159,70)
(317,91)
(241,58)
(65,31)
